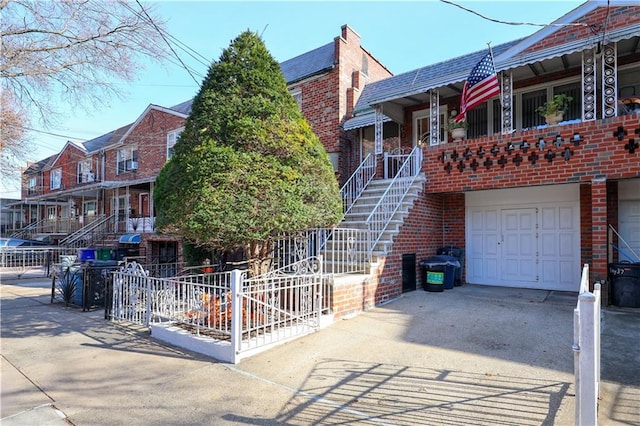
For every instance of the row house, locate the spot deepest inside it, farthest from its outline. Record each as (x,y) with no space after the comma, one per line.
(525,203)
(100,193)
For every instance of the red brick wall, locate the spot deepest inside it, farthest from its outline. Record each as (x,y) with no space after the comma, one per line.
(616,17)
(150,135)
(437,218)
(599,155)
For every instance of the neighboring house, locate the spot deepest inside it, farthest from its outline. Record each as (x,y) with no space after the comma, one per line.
(100,193)
(528,203)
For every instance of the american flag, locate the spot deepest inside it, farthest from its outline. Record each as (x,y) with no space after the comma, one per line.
(481,85)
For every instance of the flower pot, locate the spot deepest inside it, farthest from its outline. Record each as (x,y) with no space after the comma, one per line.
(554,119)
(458,134)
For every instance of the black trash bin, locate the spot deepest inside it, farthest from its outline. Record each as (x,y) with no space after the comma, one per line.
(458,253)
(96,281)
(438,272)
(625,284)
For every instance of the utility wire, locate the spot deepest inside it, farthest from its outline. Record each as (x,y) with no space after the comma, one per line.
(167,41)
(513,23)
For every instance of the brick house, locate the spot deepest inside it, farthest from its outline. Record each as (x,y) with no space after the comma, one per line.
(107,183)
(529,203)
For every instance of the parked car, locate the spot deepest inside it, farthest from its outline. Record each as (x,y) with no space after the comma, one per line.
(23,253)
(20,242)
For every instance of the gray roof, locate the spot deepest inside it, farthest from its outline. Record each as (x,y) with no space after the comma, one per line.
(308,64)
(184,107)
(105,140)
(40,165)
(422,79)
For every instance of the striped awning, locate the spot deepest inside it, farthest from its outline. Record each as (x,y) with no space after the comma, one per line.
(130,239)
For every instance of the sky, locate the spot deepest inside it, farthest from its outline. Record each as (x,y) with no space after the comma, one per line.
(402,35)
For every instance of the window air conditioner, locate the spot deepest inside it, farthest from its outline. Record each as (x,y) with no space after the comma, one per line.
(134,165)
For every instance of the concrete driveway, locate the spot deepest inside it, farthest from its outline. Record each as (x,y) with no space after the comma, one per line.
(469,356)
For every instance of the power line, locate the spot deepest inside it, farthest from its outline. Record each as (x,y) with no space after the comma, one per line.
(513,23)
(167,41)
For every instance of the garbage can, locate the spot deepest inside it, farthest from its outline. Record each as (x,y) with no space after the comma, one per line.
(458,253)
(97,277)
(625,284)
(438,272)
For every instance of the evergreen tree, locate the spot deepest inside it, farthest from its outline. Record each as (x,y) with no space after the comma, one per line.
(247,166)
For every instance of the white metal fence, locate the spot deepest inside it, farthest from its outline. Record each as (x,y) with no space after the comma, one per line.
(20,260)
(343,250)
(586,350)
(249,314)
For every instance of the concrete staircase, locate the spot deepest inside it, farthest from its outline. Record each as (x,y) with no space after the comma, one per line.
(357,216)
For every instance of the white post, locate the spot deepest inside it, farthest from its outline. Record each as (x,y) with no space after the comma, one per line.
(596,292)
(587,383)
(236,313)
(386,165)
(576,362)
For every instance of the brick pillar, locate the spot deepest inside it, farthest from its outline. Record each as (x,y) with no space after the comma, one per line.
(599,227)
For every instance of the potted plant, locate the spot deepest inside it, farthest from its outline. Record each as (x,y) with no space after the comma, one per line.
(553,111)
(458,129)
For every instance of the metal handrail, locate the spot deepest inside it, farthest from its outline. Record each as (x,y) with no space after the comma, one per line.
(357,182)
(21,233)
(73,238)
(392,198)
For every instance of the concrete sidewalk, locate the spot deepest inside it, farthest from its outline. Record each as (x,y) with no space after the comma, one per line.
(472,355)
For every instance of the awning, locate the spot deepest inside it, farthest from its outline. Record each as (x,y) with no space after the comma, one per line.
(130,238)
(364,120)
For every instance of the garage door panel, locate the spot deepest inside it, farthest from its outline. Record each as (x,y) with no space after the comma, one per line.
(548,219)
(566,218)
(548,244)
(567,244)
(535,245)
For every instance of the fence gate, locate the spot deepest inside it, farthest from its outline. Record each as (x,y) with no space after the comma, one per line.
(279,305)
(131,296)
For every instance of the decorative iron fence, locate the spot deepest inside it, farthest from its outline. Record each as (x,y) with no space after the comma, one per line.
(248,313)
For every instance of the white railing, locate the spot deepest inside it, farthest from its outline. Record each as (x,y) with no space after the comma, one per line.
(393,161)
(141,224)
(586,351)
(20,260)
(90,233)
(344,250)
(392,198)
(246,313)
(356,184)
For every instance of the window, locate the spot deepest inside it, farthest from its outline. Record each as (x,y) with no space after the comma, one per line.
(127,159)
(421,125)
(297,95)
(32,185)
(172,139)
(89,208)
(120,205)
(85,174)
(573,90)
(51,212)
(530,101)
(55,179)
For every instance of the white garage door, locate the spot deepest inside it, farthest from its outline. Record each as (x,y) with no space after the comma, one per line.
(629,219)
(528,237)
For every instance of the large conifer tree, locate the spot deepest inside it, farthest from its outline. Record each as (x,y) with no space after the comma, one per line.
(247,166)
